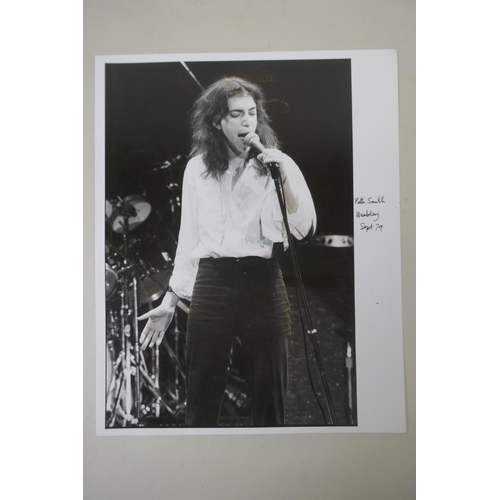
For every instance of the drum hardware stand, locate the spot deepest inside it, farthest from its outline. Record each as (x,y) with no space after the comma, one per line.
(122,383)
(178,370)
(176,352)
(156,377)
(112,418)
(124,397)
(132,313)
(133,367)
(151,384)
(131,358)
(349,363)
(179,373)
(130,337)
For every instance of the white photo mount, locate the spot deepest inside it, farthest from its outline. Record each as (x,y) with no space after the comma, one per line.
(377,249)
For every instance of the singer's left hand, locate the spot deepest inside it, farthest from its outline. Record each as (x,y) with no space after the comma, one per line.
(274,156)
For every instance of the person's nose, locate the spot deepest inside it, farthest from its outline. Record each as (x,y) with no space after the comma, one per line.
(246,120)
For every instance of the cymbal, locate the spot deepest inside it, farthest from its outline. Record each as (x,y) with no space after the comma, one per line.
(134,208)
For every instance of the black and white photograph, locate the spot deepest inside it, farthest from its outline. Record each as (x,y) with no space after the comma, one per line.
(229,225)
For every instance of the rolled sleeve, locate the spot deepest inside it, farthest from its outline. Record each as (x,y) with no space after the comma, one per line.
(303,221)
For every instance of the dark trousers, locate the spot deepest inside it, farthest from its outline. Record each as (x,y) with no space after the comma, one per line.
(244,298)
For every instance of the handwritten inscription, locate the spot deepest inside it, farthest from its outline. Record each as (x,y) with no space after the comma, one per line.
(375,216)
(371,227)
(370,200)
(371,217)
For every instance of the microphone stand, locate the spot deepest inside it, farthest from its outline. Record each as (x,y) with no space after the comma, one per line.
(301,296)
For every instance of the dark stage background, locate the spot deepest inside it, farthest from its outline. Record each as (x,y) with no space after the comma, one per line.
(147,112)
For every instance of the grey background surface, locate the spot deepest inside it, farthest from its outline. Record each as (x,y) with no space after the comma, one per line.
(319,466)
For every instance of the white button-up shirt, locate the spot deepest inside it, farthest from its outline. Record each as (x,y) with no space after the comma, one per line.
(223,218)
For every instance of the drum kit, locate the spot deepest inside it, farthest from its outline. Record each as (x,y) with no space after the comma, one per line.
(138,270)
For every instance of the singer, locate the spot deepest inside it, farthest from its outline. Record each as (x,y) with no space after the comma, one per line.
(231,231)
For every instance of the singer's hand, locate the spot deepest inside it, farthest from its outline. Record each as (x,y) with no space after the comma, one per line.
(274,156)
(158,321)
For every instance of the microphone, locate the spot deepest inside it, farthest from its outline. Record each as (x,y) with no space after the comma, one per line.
(253,140)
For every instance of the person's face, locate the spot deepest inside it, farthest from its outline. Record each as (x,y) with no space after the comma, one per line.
(239,121)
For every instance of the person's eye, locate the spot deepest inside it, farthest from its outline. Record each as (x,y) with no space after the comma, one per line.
(234,114)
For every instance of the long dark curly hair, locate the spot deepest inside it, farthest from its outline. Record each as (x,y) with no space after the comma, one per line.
(210,108)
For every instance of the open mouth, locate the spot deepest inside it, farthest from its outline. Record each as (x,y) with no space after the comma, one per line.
(241,137)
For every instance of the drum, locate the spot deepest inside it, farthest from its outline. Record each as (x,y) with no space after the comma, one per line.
(154,267)
(111,282)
